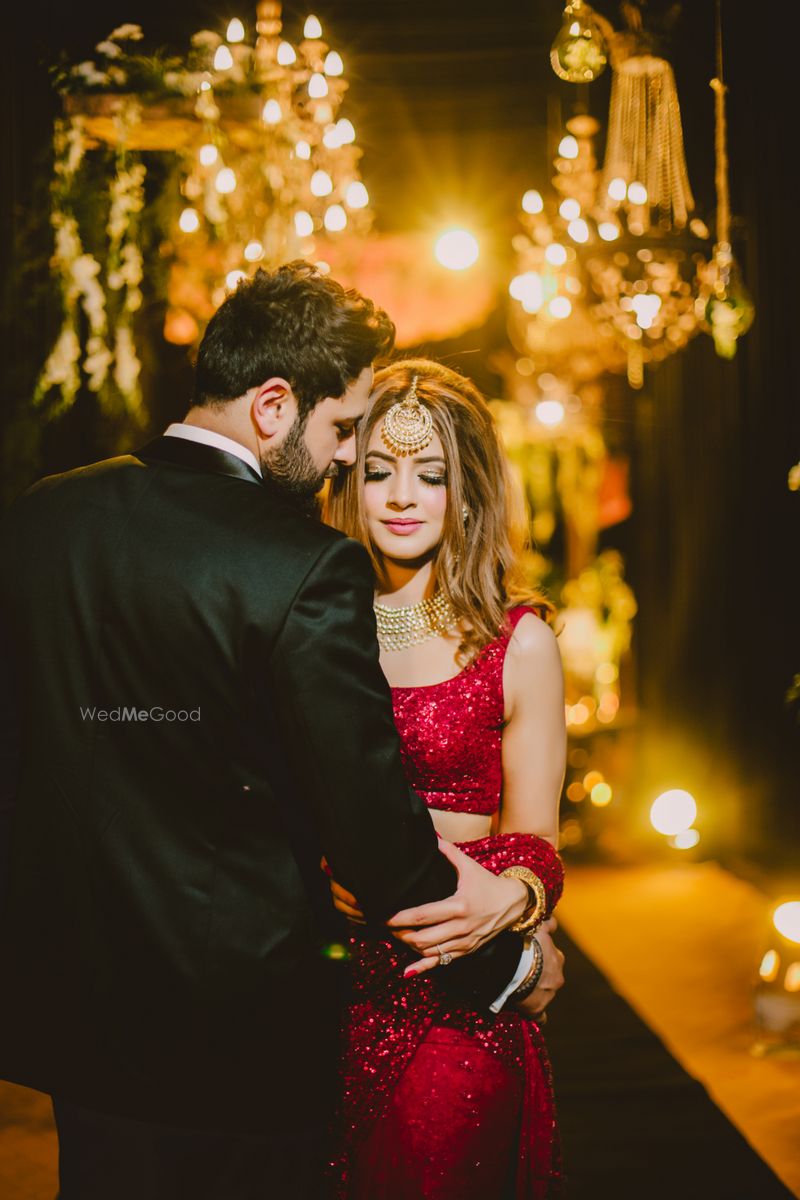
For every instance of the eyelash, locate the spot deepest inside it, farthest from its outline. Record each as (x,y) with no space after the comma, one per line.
(378,476)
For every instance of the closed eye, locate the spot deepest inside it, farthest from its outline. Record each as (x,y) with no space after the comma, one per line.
(434,480)
(375,476)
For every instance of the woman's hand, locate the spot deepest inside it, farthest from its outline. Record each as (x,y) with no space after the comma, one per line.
(343,900)
(551,978)
(482,906)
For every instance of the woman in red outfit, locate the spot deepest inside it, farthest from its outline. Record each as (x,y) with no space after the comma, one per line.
(443,1102)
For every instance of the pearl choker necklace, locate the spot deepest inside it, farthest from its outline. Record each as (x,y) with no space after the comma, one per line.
(399,628)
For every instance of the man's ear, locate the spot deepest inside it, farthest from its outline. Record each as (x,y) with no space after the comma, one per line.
(274,406)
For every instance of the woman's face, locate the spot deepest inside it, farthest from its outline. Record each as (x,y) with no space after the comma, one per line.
(404,498)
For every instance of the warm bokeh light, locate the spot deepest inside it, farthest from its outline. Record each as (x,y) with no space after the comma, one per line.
(346,131)
(253,251)
(685,840)
(317,86)
(637,193)
(646,306)
(225,183)
(457,249)
(321,184)
(770,965)
(189,220)
(578,230)
(618,189)
(568,147)
(569,209)
(235,31)
(223,59)
(333,64)
(551,413)
(673,812)
(601,795)
(286,54)
(335,218)
(303,224)
(208,155)
(356,195)
(556,254)
(527,288)
(560,307)
(606,673)
(303,150)
(791,980)
(576,792)
(608,231)
(232,278)
(786,919)
(532,202)
(312,27)
(271,112)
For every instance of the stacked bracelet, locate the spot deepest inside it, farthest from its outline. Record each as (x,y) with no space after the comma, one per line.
(534,975)
(534,913)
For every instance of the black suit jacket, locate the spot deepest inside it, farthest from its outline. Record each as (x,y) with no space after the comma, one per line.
(164,909)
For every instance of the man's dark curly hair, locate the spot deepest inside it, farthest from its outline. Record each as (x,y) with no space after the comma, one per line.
(295,323)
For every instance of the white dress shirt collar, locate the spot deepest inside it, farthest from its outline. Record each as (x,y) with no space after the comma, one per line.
(209,437)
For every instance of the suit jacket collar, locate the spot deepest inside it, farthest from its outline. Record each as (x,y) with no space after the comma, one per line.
(196,456)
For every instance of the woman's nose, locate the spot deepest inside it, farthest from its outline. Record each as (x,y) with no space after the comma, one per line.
(400,493)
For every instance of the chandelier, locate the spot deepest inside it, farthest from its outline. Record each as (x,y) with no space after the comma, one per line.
(232,156)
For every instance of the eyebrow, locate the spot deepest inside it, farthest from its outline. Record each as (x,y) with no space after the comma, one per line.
(436,458)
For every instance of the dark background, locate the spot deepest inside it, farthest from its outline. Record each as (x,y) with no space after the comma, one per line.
(457,109)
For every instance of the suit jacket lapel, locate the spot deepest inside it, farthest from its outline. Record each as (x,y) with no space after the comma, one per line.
(196,456)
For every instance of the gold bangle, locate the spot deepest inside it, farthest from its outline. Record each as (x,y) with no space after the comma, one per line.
(537,907)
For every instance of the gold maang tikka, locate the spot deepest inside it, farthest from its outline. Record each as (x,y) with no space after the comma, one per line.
(408,425)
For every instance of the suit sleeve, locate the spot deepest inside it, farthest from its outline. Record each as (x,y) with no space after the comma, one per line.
(338,724)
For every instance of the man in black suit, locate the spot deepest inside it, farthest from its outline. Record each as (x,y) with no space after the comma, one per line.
(192,714)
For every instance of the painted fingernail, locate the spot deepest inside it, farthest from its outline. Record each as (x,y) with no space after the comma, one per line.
(409,971)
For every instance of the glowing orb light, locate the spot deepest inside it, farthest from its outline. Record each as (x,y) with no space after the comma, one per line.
(457,249)
(673,812)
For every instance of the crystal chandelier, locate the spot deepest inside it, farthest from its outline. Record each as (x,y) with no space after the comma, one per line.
(579,53)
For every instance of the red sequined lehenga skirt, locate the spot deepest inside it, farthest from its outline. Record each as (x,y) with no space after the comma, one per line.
(442,1102)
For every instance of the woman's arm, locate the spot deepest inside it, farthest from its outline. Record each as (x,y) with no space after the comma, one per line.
(535,736)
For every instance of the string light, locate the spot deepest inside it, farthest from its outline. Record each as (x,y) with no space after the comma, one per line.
(312,28)
(223,59)
(235,31)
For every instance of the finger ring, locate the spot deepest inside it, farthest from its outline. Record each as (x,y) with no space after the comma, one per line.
(444,958)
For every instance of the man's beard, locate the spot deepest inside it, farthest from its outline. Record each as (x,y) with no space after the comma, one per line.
(292,469)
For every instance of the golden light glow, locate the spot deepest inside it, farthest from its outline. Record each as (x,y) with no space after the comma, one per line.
(786,919)
(556,254)
(356,195)
(303,150)
(235,31)
(303,223)
(770,965)
(608,231)
(253,251)
(457,249)
(286,54)
(317,86)
(333,64)
(568,147)
(532,202)
(205,86)
(591,779)
(189,220)
(321,184)
(792,978)
(637,193)
(208,155)
(271,113)
(576,792)
(347,133)
(551,413)
(601,795)
(569,209)
(323,267)
(225,183)
(527,288)
(232,278)
(223,59)
(335,218)
(646,306)
(606,673)
(618,189)
(578,230)
(560,307)
(673,812)
(685,840)
(312,28)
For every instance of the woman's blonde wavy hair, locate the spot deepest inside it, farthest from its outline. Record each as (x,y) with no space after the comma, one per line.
(478,562)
